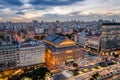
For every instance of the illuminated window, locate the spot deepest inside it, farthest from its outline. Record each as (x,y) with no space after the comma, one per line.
(68,51)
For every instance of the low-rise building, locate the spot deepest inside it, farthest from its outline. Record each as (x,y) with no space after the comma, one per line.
(80,38)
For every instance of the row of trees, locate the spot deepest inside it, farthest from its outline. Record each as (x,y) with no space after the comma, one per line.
(39,74)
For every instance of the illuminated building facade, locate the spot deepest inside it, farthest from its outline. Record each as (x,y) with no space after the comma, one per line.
(110,38)
(60,50)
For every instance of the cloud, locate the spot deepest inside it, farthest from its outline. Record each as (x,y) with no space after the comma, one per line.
(20,13)
(11,3)
(2,7)
(84,17)
(53,2)
(39,7)
(51,10)
(0,18)
(75,13)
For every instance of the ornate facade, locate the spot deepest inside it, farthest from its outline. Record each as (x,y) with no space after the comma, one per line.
(59,50)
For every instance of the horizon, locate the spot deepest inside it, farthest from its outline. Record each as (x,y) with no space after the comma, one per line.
(63,21)
(62,10)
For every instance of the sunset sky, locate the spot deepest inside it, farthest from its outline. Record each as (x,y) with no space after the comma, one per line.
(52,10)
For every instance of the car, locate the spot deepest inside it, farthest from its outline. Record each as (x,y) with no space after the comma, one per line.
(80,72)
(85,70)
(99,67)
(93,69)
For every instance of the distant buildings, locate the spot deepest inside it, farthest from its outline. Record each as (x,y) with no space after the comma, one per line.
(60,50)
(67,30)
(58,30)
(80,38)
(38,28)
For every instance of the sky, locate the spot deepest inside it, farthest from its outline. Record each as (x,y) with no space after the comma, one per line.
(63,10)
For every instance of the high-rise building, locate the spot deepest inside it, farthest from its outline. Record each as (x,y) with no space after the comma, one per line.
(9,25)
(36,23)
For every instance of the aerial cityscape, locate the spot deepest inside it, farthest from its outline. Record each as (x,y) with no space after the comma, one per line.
(59,40)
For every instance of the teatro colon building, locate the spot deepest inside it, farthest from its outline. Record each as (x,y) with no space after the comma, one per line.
(60,50)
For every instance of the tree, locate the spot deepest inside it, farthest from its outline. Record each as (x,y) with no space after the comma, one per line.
(41,72)
(2,65)
(11,64)
(38,74)
(75,73)
(48,76)
(91,78)
(75,65)
(26,78)
(94,76)
(69,36)
(116,55)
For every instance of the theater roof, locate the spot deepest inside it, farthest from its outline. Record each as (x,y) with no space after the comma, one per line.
(58,40)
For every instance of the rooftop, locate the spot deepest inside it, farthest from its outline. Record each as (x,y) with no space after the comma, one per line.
(31,44)
(56,38)
(97,37)
(54,49)
(111,24)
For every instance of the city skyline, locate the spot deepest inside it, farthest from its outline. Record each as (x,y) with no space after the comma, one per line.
(63,10)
